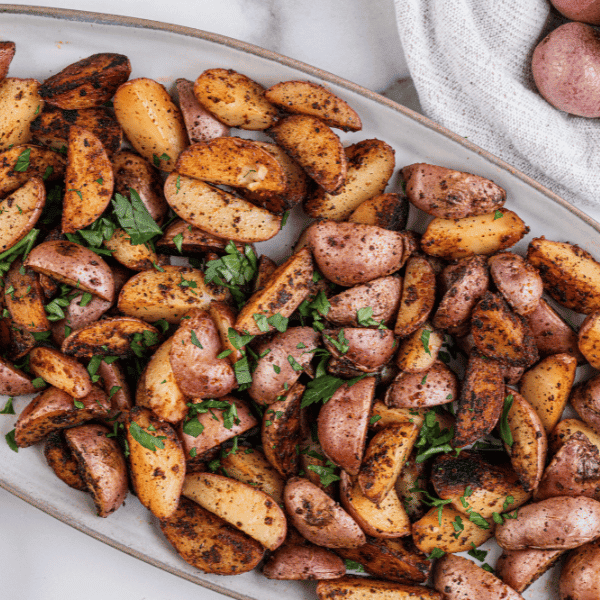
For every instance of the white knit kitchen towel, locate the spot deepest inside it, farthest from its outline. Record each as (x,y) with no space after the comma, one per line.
(470,62)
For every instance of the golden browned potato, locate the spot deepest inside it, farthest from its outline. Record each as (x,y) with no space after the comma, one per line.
(518,281)
(370,166)
(306,562)
(318,518)
(42,162)
(20,211)
(131,171)
(316,148)
(167,294)
(361,588)
(156,461)
(87,83)
(530,443)
(24,298)
(589,339)
(461,579)
(574,471)
(200,124)
(352,253)
(449,530)
(438,385)
(54,409)
(489,485)
(157,388)
(413,478)
(219,213)
(20,102)
(51,127)
(385,519)
(559,523)
(74,265)
(580,575)
(565,429)
(210,428)
(209,543)
(547,386)
(389,211)
(520,568)
(570,275)
(481,234)
(137,257)
(284,291)
(151,121)
(451,194)
(551,333)
(342,424)
(102,465)
(61,460)
(232,161)
(501,334)
(308,98)
(234,99)
(198,371)
(418,352)
(61,371)
(7,53)
(241,505)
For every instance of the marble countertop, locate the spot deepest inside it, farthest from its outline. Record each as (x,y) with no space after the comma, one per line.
(41,557)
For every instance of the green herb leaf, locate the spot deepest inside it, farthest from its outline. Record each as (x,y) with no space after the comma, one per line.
(78,404)
(320,389)
(261,322)
(505,432)
(85,299)
(477,554)
(364,317)
(224,354)
(425,335)
(38,383)
(498,215)
(436,553)
(178,241)
(374,419)
(279,322)
(284,219)
(352,565)
(196,341)
(326,473)
(10,440)
(145,439)
(22,163)
(478,520)
(134,218)
(8,408)
(341,344)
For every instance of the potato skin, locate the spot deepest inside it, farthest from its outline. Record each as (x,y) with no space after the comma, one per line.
(586,11)
(559,523)
(564,68)
(304,562)
(580,575)
(585,399)
(361,588)
(520,568)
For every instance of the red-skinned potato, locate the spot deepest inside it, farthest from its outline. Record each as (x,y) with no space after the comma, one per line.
(363,588)
(13,382)
(566,429)
(61,460)
(342,424)
(585,399)
(306,562)
(353,253)
(7,52)
(580,575)
(318,518)
(193,355)
(520,568)
(586,11)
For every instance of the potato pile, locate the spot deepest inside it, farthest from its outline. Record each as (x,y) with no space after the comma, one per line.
(566,63)
(380,401)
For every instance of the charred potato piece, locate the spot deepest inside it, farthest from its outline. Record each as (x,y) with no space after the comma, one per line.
(102,465)
(520,568)
(234,99)
(451,194)
(200,124)
(87,83)
(61,460)
(24,298)
(370,166)
(151,121)
(54,409)
(307,562)
(316,148)
(20,102)
(482,234)
(246,508)
(157,474)
(308,98)
(388,211)
(361,588)
(61,371)
(318,518)
(209,543)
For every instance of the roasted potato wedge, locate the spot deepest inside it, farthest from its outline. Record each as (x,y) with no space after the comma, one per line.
(388,211)
(284,291)
(7,53)
(234,99)
(116,387)
(451,194)
(20,211)
(218,212)
(61,460)
(74,265)
(87,83)
(200,124)
(246,508)
(565,429)
(580,576)
(62,371)
(209,543)
(585,399)
(193,241)
(306,562)
(308,98)
(589,339)
(13,381)
(370,166)
(156,460)
(24,298)
(54,409)
(570,275)
(318,518)
(137,257)
(482,234)
(316,148)
(418,352)
(151,121)
(520,568)
(224,317)
(20,102)
(547,386)
(167,294)
(102,464)
(361,588)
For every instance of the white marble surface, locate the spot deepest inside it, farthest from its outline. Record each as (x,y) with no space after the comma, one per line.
(42,558)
